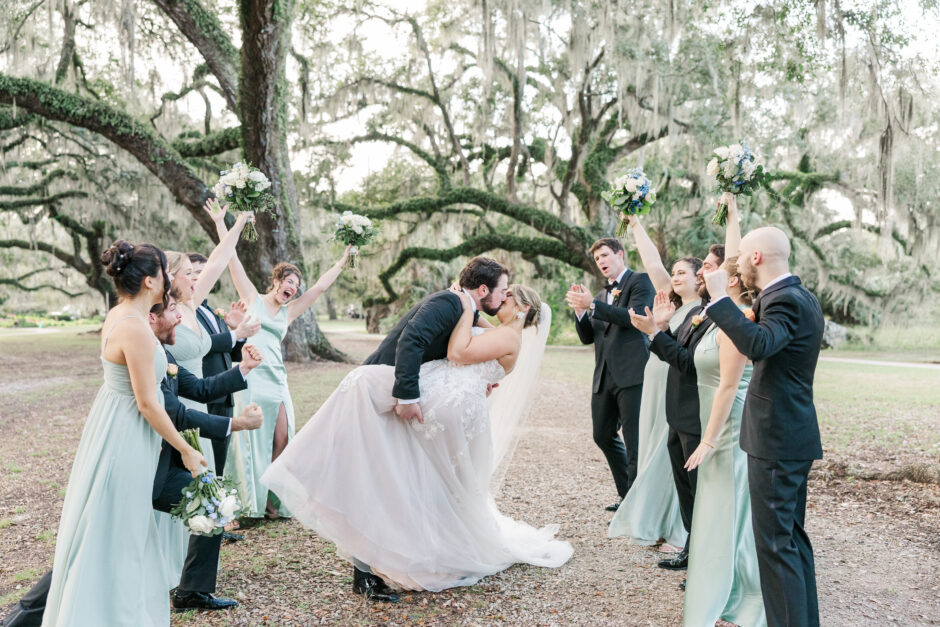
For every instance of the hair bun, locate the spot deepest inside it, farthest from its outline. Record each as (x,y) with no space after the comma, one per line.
(117,257)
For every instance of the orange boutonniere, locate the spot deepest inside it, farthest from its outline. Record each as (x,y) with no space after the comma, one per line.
(697,319)
(219,313)
(616,293)
(172,370)
(749,314)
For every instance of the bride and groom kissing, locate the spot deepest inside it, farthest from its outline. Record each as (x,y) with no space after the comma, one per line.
(395,467)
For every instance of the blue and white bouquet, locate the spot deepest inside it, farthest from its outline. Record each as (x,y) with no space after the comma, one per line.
(209,502)
(631,194)
(245,188)
(356,230)
(736,171)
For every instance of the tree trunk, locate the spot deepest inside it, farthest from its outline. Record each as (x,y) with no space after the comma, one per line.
(330,307)
(263,113)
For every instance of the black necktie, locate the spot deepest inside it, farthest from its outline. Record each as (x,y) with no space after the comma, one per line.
(476,317)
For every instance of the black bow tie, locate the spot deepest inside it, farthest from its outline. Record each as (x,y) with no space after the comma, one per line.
(610,287)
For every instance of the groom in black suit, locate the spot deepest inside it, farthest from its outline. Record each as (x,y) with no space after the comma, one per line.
(779,431)
(620,356)
(420,336)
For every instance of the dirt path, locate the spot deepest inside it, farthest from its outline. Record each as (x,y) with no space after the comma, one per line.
(876,542)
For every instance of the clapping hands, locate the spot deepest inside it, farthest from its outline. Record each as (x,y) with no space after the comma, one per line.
(657,319)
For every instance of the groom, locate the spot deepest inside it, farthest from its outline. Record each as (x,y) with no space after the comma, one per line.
(421,336)
(779,431)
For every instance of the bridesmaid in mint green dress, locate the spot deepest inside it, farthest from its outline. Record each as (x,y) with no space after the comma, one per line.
(252,452)
(723,581)
(650,510)
(108,567)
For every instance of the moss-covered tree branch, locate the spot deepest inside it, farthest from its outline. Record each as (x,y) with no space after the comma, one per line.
(209,145)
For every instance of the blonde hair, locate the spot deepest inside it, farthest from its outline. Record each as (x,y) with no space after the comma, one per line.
(174,260)
(730,266)
(523,296)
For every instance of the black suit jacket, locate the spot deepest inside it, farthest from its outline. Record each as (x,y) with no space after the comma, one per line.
(420,336)
(221,355)
(779,421)
(190,386)
(678,350)
(619,349)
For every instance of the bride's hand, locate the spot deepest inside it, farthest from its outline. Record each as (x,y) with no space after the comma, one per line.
(463,296)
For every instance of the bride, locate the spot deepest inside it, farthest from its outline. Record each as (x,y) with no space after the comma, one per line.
(412,499)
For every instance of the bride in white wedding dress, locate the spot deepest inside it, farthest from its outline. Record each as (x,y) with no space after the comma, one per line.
(412,500)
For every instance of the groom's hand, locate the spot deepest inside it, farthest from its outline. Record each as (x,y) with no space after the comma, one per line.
(409,411)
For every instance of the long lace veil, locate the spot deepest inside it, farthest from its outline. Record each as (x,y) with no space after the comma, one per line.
(509,404)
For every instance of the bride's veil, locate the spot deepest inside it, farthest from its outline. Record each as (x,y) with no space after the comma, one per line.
(509,404)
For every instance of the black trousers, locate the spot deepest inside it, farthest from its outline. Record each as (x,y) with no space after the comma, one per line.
(614,408)
(202,559)
(784,552)
(681,445)
(220,447)
(28,612)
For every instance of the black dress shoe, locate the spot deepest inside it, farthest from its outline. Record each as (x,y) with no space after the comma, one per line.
(679,562)
(232,537)
(613,507)
(372,587)
(183,600)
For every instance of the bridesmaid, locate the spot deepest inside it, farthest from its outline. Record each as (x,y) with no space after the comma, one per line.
(192,343)
(108,568)
(650,511)
(723,581)
(254,451)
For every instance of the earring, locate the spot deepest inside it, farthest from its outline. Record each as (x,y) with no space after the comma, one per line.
(520,315)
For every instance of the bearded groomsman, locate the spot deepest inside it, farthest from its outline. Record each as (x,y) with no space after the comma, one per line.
(779,431)
(620,356)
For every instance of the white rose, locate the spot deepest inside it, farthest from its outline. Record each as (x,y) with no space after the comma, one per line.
(712,168)
(722,152)
(219,189)
(748,168)
(731,168)
(636,195)
(229,506)
(228,179)
(737,151)
(240,183)
(631,184)
(620,182)
(201,524)
(357,229)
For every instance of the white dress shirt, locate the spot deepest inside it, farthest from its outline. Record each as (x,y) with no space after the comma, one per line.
(215,323)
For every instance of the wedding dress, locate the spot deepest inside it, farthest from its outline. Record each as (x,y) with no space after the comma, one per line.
(409,499)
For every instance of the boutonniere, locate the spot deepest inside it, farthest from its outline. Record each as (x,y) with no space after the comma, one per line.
(172,370)
(616,293)
(749,314)
(219,313)
(697,319)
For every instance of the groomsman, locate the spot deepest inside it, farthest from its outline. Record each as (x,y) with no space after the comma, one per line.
(620,355)
(779,431)
(682,406)
(226,348)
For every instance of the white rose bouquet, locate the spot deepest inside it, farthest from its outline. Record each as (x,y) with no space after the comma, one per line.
(356,230)
(736,171)
(631,194)
(209,502)
(245,188)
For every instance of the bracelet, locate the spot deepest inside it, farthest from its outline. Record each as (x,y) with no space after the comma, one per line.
(708,444)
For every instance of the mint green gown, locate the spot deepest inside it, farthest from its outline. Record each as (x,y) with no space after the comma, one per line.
(188,351)
(722,580)
(108,568)
(650,511)
(267,386)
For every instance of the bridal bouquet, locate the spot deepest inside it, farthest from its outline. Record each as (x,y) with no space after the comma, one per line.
(209,502)
(736,171)
(245,188)
(354,229)
(632,195)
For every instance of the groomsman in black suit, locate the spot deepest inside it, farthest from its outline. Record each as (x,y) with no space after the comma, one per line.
(420,336)
(779,431)
(620,355)
(682,406)
(226,348)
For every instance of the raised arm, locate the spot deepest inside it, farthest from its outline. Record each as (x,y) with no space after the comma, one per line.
(305,300)
(243,285)
(649,255)
(779,320)
(464,348)
(733,226)
(731,366)
(143,381)
(437,316)
(218,259)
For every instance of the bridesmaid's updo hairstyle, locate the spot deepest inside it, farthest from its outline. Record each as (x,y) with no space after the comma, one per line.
(730,266)
(525,295)
(128,265)
(283,270)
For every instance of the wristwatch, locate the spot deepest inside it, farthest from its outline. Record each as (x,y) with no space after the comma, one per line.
(592,307)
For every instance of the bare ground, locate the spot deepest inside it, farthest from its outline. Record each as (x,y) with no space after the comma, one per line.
(876,542)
